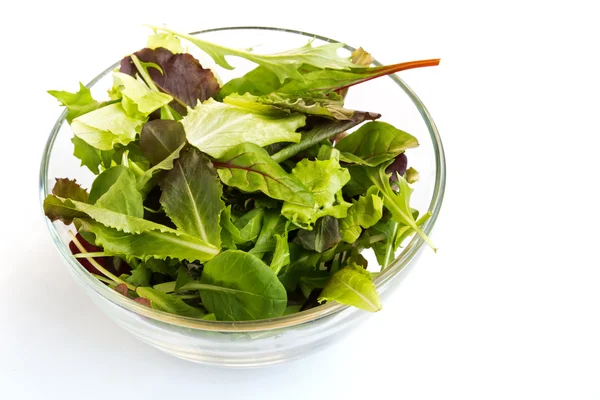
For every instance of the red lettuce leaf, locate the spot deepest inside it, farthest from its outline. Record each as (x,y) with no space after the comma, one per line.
(182,76)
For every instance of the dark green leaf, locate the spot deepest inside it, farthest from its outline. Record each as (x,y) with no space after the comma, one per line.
(191,196)
(250,224)
(140,276)
(238,286)
(375,143)
(325,235)
(257,82)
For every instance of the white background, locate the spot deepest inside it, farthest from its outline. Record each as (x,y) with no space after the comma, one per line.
(508,307)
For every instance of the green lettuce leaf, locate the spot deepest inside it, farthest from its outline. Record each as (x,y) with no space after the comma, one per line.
(257,82)
(191,196)
(169,303)
(106,126)
(149,244)
(374,143)
(238,286)
(215,128)
(284,65)
(365,212)
(352,286)
(115,190)
(140,276)
(324,179)
(249,225)
(281,254)
(249,167)
(139,100)
(166,41)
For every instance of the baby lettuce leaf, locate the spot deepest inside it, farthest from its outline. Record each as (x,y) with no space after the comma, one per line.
(180,75)
(273,224)
(78,103)
(140,276)
(161,142)
(365,212)
(281,254)
(284,65)
(149,244)
(139,100)
(397,203)
(238,286)
(166,41)
(71,189)
(322,130)
(191,196)
(115,190)
(328,80)
(374,143)
(324,179)
(106,126)
(215,128)
(352,286)
(249,167)
(257,82)
(90,156)
(323,106)
(250,224)
(169,303)
(325,235)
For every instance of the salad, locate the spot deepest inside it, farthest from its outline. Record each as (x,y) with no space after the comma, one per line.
(238,201)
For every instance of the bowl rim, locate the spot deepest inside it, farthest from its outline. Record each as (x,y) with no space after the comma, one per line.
(382,280)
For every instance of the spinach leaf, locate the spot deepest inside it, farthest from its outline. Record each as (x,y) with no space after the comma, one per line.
(238,286)
(149,244)
(352,286)
(191,197)
(365,212)
(169,303)
(215,128)
(325,235)
(249,167)
(375,143)
(284,65)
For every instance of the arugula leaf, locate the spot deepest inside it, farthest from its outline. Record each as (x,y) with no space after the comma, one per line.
(322,106)
(149,244)
(397,203)
(365,212)
(352,286)
(321,131)
(325,235)
(215,128)
(191,197)
(328,80)
(78,103)
(166,41)
(374,143)
(180,75)
(139,100)
(284,65)
(324,179)
(257,82)
(106,126)
(169,303)
(238,286)
(249,167)
(115,190)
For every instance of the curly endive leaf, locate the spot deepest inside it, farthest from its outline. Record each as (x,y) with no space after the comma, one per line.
(250,168)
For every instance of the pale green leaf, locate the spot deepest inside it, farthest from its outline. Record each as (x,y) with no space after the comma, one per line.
(139,100)
(215,128)
(365,212)
(169,303)
(165,40)
(352,286)
(115,190)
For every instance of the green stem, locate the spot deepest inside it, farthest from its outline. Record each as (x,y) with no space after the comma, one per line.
(93,255)
(389,251)
(99,267)
(146,77)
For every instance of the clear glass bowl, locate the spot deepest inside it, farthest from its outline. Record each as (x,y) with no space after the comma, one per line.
(253,343)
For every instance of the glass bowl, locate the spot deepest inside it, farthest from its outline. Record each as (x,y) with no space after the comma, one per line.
(254,343)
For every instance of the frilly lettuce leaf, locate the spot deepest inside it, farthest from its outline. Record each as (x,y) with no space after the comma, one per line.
(215,128)
(364,213)
(166,41)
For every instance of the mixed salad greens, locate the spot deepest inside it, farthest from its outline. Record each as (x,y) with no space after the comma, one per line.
(241,201)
